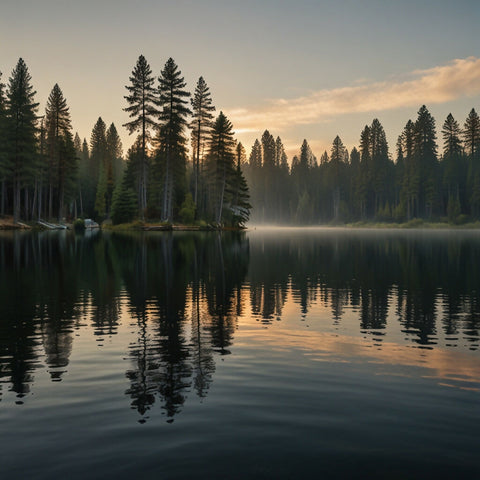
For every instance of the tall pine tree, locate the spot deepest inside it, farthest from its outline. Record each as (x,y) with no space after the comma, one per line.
(201,124)
(221,157)
(142,108)
(172,150)
(471,138)
(61,156)
(98,154)
(21,132)
(3,146)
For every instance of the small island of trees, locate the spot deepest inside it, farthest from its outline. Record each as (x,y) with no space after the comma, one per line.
(47,172)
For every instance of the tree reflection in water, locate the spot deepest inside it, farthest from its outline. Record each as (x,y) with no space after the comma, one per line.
(185,291)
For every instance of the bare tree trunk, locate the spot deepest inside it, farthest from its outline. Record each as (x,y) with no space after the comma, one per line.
(26,204)
(50,202)
(16,201)
(81,201)
(220,209)
(165,190)
(4,192)
(60,203)
(40,201)
(34,200)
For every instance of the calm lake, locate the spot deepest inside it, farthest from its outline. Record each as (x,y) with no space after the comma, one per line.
(269,354)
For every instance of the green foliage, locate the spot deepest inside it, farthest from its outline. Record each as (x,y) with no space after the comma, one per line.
(201,124)
(187,210)
(57,173)
(21,124)
(238,198)
(61,167)
(79,225)
(414,223)
(304,209)
(124,205)
(453,208)
(462,219)
(172,154)
(471,135)
(101,193)
(142,108)
(220,168)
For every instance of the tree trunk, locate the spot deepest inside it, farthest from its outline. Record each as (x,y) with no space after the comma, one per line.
(50,202)
(40,196)
(4,192)
(16,201)
(26,204)
(221,196)
(165,190)
(34,200)
(81,201)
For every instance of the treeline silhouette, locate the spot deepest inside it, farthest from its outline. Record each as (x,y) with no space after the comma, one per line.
(184,293)
(47,172)
(369,183)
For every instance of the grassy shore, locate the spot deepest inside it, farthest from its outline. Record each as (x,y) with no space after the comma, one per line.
(416,223)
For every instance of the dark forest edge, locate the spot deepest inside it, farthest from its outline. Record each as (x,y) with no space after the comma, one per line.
(47,172)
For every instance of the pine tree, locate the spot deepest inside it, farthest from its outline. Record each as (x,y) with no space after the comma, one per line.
(280,155)
(84,180)
(98,153)
(471,138)
(239,197)
(268,150)
(142,107)
(410,190)
(336,171)
(21,129)
(113,165)
(3,146)
(454,171)
(221,156)
(269,176)
(77,143)
(451,133)
(363,184)
(471,135)
(40,173)
(124,201)
(240,155)
(354,169)
(381,167)
(61,163)
(201,124)
(255,159)
(171,137)
(425,151)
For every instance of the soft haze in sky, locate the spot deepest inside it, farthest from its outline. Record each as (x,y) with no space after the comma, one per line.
(301,69)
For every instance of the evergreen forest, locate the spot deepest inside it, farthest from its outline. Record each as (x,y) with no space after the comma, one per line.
(186,166)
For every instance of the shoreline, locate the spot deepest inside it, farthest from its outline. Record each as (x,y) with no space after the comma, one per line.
(8,224)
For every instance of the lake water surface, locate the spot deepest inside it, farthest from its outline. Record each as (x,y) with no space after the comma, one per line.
(273,353)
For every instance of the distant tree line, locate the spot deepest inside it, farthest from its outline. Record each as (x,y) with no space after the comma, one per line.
(46,172)
(366,184)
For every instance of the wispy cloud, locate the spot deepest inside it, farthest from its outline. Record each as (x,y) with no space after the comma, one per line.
(440,84)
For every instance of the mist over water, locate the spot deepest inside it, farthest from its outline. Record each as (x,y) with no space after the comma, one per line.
(271,353)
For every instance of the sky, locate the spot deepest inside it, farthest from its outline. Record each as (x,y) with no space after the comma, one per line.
(303,69)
